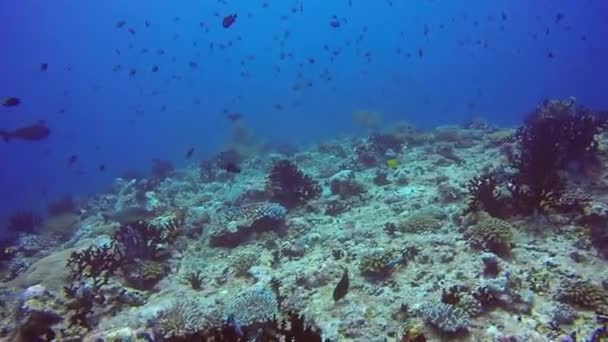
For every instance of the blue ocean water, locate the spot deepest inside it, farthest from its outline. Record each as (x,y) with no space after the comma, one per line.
(282,65)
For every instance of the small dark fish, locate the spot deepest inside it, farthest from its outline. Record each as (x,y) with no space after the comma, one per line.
(190,152)
(37,131)
(44,66)
(503,15)
(229,20)
(342,288)
(420,53)
(147,23)
(11,102)
(154,68)
(193,65)
(231,167)
(120,23)
(131,30)
(132,72)
(234,116)
(101,167)
(73,159)
(559,17)
(550,55)
(334,22)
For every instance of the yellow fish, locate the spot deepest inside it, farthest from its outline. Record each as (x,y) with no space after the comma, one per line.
(392,163)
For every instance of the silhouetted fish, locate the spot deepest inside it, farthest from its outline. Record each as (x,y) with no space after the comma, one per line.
(342,288)
(11,102)
(44,66)
(229,20)
(72,159)
(37,131)
(190,152)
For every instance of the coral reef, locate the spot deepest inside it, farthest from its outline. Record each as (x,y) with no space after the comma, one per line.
(289,186)
(584,294)
(447,318)
(490,234)
(471,233)
(556,134)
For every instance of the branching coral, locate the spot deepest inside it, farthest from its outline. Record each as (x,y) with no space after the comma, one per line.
(483,195)
(555,135)
(23,221)
(381,143)
(147,239)
(95,263)
(289,186)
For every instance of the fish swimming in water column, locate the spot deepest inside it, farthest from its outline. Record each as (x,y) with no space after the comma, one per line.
(342,288)
(229,20)
(11,102)
(35,132)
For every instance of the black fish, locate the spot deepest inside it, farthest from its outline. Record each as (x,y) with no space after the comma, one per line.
(131,30)
(101,167)
(11,102)
(550,55)
(37,131)
(231,167)
(120,23)
(228,20)
(190,152)
(73,159)
(154,68)
(559,17)
(44,66)
(342,288)
(234,116)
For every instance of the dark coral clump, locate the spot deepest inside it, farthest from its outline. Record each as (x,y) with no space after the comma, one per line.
(289,186)
(293,328)
(66,204)
(483,195)
(142,240)
(95,264)
(554,136)
(381,143)
(161,169)
(24,222)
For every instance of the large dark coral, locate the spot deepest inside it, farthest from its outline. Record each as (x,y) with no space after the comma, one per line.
(143,240)
(24,222)
(483,195)
(95,264)
(289,186)
(554,136)
(381,143)
(66,204)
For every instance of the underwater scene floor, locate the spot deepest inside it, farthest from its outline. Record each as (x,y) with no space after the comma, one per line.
(459,233)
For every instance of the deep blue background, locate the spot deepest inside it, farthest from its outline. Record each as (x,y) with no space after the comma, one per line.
(475,64)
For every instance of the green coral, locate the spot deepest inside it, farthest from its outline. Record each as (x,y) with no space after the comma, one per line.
(584,294)
(377,262)
(243,262)
(144,274)
(490,234)
(421,222)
